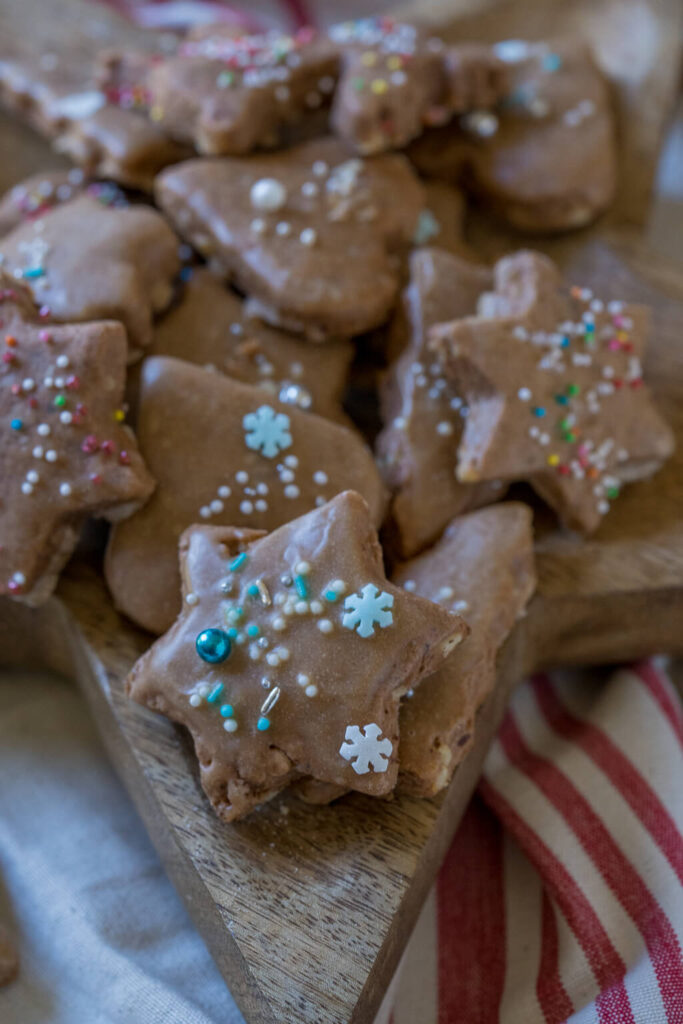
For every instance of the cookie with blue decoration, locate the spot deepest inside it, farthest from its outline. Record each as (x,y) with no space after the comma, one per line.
(65,451)
(223,452)
(290,656)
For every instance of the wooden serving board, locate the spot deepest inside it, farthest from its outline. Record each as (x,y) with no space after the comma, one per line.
(307,910)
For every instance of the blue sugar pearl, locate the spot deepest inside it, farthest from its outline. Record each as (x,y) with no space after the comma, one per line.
(252,629)
(253,590)
(263,724)
(215,693)
(565,343)
(232,633)
(16,424)
(227,711)
(539,411)
(213,645)
(552,62)
(331,596)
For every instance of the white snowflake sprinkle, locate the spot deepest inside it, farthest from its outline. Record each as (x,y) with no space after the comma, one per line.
(267,431)
(368,751)
(362,611)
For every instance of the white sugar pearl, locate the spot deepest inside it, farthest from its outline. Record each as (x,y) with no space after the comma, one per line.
(37,452)
(26,488)
(302,679)
(272,659)
(205,512)
(325,626)
(262,489)
(43,429)
(224,492)
(338,586)
(242,477)
(260,505)
(50,455)
(301,607)
(62,362)
(192,599)
(230,725)
(316,607)
(444,428)
(524,394)
(311,691)
(19,578)
(309,188)
(319,477)
(216,506)
(28,384)
(291,491)
(286,476)
(246,508)
(279,623)
(301,568)
(320,168)
(283,229)
(268,195)
(291,461)
(258,225)
(65,417)
(282,653)
(48,382)
(32,476)
(65,490)
(195,700)
(308,237)
(410,586)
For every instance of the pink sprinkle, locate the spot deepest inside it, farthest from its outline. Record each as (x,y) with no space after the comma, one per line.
(89,445)
(96,478)
(107,447)
(618,321)
(44,312)
(614,345)
(124,458)
(45,336)
(7,357)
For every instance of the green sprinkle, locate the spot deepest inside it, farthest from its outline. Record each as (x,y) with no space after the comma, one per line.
(60,401)
(358,84)
(215,693)
(612,492)
(573,389)
(301,587)
(238,562)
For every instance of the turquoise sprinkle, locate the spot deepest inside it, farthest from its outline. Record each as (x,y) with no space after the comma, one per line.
(227,711)
(552,62)
(252,629)
(561,399)
(238,562)
(215,693)
(301,586)
(33,272)
(253,590)
(331,596)
(539,411)
(263,724)
(566,342)
(16,424)
(232,633)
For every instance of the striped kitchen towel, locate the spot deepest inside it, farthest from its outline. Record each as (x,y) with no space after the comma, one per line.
(561,898)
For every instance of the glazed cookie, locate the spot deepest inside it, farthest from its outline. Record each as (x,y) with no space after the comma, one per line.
(33,196)
(290,656)
(554,384)
(57,95)
(210,326)
(397,78)
(84,260)
(65,452)
(310,234)
(423,413)
(222,452)
(227,94)
(546,158)
(482,568)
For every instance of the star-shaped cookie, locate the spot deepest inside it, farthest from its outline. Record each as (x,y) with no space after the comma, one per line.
(397,78)
(227,93)
(224,453)
(310,233)
(545,158)
(210,325)
(483,569)
(86,260)
(554,384)
(290,656)
(65,453)
(422,411)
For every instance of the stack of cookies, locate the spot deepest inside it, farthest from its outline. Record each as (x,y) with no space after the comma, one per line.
(178,360)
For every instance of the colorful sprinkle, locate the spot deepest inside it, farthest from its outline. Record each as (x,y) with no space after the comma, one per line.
(213,645)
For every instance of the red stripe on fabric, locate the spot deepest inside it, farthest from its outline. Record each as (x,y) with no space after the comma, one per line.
(621,772)
(608,967)
(552,995)
(620,875)
(471,921)
(662,691)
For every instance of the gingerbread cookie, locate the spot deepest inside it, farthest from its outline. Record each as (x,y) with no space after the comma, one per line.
(397,78)
(422,411)
(554,385)
(222,452)
(483,569)
(35,195)
(84,260)
(9,959)
(210,326)
(228,94)
(57,94)
(65,453)
(309,233)
(545,160)
(290,656)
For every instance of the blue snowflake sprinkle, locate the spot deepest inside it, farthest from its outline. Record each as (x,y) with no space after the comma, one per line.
(267,431)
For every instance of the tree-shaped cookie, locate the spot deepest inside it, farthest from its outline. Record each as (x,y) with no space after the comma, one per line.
(85,259)
(309,232)
(227,93)
(224,453)
(423,412)
(290,656)
(397,78)
(210,325)
(554,384)
(65,452)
